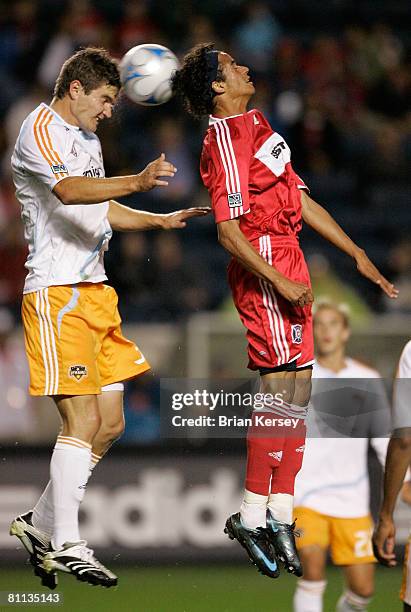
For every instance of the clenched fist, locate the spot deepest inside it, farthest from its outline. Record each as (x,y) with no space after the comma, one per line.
(296,293)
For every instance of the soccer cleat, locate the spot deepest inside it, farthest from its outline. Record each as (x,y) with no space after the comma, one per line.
(37,545)
(257,544)
(77,559)
(282,537)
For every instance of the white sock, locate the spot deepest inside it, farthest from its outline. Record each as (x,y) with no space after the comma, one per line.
(43,512)
(281,507)
(69,472)
(93,462)
(308,596)
(351,602)
(253,510)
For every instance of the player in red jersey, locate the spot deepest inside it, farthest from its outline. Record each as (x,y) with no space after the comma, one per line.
(259,203)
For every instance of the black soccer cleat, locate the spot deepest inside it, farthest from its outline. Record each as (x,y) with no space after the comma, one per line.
(257,544)
(37,545)
(77,559)
(282,537)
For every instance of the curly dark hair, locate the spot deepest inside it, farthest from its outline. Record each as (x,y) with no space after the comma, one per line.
(192,82)
(91,66)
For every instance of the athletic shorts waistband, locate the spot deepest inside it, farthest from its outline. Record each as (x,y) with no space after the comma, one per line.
(279,241)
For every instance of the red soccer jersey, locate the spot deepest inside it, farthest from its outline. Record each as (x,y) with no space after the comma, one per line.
(246,167)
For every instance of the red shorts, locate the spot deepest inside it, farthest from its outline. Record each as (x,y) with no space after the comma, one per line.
(277,332)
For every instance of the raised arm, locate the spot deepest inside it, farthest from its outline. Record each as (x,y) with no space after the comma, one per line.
(233,240)
(322,222)
(88,190)
(125,219)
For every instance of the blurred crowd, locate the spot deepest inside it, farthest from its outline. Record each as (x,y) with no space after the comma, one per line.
(340,95)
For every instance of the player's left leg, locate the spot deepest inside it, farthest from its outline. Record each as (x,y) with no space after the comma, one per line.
(359,588)
(110,404)
(281,500)
(352,550)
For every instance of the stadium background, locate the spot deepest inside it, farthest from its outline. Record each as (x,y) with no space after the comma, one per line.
(334,79)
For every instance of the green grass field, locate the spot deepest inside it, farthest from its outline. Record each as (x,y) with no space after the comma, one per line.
(194,589)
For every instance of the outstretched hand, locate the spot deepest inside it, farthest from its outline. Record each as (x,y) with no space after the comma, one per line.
(149,177)
(367,269)
(383,542)
(178,219)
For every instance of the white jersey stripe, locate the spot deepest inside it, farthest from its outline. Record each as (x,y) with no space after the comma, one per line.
(42,342)
(219,129)
(47,340)
(265,302)
(279,340)
(220,148)
(53,343)
(233,158)
(270,261)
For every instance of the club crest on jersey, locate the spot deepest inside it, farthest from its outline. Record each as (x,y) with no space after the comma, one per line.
(59,169)
(235,199)
(78,372)
(297,333)
(276,152)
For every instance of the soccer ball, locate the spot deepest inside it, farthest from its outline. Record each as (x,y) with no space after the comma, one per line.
(145,73)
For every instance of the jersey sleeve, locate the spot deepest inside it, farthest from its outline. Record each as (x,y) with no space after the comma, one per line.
(42,154)
(225,167)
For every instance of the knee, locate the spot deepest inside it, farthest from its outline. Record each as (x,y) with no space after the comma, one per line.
(112,431)
(83,423)
(302,392)
(366,591)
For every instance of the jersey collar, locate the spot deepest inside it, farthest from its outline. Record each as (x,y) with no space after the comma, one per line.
(212,120)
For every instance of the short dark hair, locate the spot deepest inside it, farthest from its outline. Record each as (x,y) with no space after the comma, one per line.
(192,82)
(92,66)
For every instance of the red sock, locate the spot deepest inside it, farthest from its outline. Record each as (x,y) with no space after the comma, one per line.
(276,459)
(284,475)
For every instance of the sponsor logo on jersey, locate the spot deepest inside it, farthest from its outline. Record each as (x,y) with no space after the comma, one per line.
(58,168)
(74,150)
(300,449)
(297,333)
(277,455)
(235,199)
(256,122)
(93,172)
(276,152)
(78,372)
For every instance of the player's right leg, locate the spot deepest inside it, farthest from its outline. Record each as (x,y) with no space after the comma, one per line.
(309,592)
(312,546)
(69,472)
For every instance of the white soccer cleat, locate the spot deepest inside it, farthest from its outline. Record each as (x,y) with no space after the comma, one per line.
(77,559)
(37,545)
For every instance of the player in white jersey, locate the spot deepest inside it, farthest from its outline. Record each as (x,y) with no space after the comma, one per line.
(76,351)
(397,462)
(332,488)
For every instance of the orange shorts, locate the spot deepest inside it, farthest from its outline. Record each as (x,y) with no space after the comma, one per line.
(349,539)
(73,340)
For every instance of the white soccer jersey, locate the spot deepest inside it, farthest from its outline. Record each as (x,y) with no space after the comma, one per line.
(66,242)
(333,479)
(402,390)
